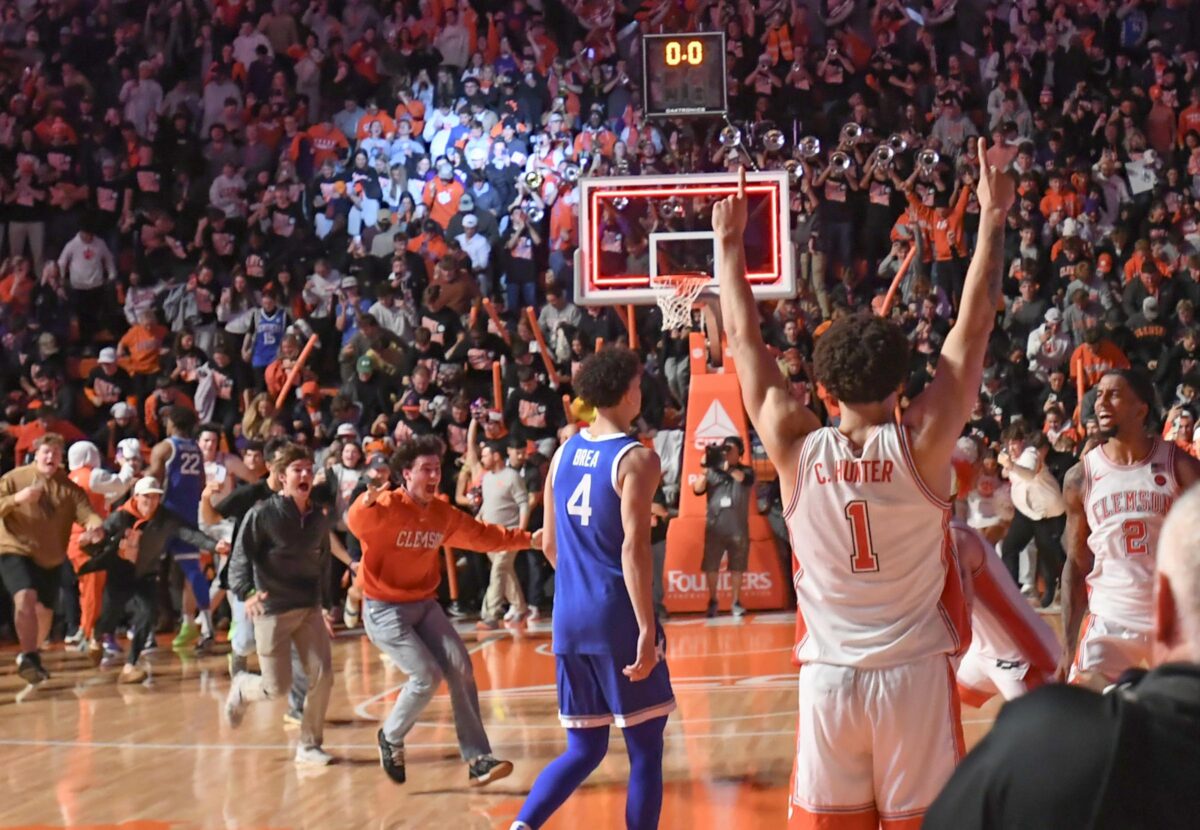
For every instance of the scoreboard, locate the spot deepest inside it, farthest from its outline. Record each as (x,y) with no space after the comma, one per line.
(684,74)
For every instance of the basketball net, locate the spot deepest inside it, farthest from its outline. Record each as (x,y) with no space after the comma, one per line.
(675,295)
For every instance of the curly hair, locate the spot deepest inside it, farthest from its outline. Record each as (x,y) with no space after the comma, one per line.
(605,377)
(862,358)
(409,451)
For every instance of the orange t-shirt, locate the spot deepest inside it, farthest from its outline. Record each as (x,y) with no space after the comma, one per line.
(1093,362)
(143,346)
(400,540)
(442,199)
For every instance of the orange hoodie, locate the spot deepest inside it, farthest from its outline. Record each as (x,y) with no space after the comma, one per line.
(400,539)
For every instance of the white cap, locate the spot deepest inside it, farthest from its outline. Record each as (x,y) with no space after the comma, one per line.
(470,221)
(108,355)
(82,454)
(1054,316)
(347,431)
(129,448)
(121,410)
(1070,228)
(147,486)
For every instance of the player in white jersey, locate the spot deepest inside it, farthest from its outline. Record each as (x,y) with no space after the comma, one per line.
(1013,650)
(1117,499)
(877,584)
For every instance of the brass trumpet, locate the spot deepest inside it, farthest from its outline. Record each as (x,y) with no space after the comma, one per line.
(671,208)
(850,133)
(839,161)
(571,173)
(897,143)
(730,137)
(810,147)
(928,159)
(533,179)
(795,170)
(883,155)
(773,141)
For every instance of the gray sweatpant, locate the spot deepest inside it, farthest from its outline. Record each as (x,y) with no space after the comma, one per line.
(418,638)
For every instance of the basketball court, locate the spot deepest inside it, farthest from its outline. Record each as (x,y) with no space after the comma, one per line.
(82,751)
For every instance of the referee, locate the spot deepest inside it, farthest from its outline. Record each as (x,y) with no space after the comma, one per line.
(1126,759)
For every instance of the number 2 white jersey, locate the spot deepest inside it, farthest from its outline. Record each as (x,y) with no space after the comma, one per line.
(878,583)
(1126,507)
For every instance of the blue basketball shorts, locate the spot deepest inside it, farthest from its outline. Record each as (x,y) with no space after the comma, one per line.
(592,691)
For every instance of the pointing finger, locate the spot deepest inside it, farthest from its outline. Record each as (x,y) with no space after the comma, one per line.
(741,191)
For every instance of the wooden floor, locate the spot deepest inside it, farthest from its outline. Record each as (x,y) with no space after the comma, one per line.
(81,751)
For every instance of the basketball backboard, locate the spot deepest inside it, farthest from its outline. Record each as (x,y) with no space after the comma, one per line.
(634,228)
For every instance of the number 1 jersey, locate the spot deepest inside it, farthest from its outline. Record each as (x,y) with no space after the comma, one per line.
(877,582)
(592,610)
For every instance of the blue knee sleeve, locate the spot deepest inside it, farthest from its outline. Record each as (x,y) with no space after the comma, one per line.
(643,804)
(585,750)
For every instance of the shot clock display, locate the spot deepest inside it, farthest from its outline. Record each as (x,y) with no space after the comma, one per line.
(684,74)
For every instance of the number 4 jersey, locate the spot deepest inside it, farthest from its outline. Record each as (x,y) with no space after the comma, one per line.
(592,611)
(877,582)
(1126,507)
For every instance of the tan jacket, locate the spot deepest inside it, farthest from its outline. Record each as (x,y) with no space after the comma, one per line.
(40,530)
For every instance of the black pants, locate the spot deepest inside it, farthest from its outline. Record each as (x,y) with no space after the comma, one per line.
(1047,533)
(140,595)
(534,573)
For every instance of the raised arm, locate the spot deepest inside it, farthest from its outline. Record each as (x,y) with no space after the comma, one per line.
(1080,561)
(780,420)
(938,414)
(638,477)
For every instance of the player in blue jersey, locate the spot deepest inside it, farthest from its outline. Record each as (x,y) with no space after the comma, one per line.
(608,648)
(178,463)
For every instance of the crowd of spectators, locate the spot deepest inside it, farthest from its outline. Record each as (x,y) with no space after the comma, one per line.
(192,190)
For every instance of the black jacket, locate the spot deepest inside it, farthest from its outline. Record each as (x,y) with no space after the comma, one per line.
(156,531)
(284,554)
(1063,757)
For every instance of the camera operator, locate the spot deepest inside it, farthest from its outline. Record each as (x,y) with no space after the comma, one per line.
(730,486)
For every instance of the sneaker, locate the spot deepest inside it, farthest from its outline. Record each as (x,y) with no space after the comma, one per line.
(485,769)
(487,625)
(293,717)
(456,610)
(516,621)
(351,614)
(131,674)
(205,646)
(712,609)
(111,649)
(511,614)
(29,667)
(312,756)
(76,638)
(535,614)
(95,652)
(1029,592)
(151,644)
(391,758)
(237,664)
(737,610)
(235,703)
(189,633)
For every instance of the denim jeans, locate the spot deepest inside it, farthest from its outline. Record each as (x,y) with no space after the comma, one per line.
(418,638)
(519,295)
